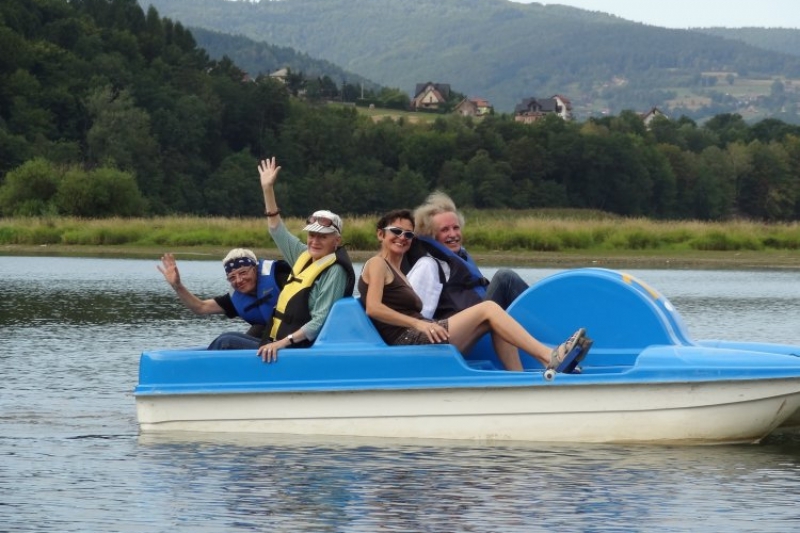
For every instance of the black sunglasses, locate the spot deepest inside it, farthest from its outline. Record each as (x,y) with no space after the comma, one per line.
(323,221)
(400,231)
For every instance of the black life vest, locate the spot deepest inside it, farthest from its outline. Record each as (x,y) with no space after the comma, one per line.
(465,287)
(292,309)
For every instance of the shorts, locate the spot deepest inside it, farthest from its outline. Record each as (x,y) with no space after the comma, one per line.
(412,336)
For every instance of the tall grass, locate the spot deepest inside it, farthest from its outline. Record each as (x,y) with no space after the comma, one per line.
(510,231)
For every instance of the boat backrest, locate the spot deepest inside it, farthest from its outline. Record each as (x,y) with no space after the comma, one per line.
(618,310)
(622,314)
(347,322)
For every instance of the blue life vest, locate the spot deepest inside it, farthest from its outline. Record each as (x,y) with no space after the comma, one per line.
(258,308)
(466,285)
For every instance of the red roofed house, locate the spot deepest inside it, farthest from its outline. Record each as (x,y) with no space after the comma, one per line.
(473,107)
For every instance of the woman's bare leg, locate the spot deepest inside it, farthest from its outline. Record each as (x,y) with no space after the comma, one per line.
(468,325)
(507,353)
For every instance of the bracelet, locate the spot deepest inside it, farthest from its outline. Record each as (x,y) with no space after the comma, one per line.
(273,213)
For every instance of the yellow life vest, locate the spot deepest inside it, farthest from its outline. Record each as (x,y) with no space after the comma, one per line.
(292,310)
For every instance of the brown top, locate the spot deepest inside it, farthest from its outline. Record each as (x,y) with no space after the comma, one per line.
(397,295)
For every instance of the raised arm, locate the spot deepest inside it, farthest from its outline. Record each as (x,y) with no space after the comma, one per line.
(268,171)
(169,269)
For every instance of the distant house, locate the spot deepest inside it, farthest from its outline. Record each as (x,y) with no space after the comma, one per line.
(648,117)
(429,96)
(280,75)
(473,107)
(532,109)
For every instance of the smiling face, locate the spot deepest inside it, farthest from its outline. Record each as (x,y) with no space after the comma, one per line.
(322,244)
(447,230)
(244,279)
(396,244)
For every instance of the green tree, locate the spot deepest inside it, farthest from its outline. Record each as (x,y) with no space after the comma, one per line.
(408,188)
(715,190)
(232,189)
(29,189)
(666,131)
(382,141)
(425,151)
(684,168)
(14,150)
(322,137)
(103,192)
(490,181)
(767,190)
(393,98)
(120,136)
(728,127)
(368,181)
(665,189)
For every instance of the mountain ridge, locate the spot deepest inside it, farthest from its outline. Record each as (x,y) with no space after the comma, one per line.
(500,50)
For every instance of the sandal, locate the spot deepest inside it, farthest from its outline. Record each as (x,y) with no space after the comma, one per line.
(561,351)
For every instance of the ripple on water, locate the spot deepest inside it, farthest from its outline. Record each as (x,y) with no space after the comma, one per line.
(71,459)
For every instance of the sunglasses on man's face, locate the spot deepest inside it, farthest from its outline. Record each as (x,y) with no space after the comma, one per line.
(323,221)
(400,232)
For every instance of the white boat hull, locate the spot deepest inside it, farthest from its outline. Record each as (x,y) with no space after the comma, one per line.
(680,413)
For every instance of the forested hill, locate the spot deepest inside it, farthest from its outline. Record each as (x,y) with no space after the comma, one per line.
(505,51)
(110,110)
(784,40)
(258,57)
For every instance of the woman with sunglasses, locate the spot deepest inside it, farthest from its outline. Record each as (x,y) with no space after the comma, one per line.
(395,308)
(321,272)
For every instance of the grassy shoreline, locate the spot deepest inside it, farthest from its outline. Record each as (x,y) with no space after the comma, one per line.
(626,259)
(534,238)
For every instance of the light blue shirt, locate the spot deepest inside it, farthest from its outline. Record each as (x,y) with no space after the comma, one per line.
(328,288)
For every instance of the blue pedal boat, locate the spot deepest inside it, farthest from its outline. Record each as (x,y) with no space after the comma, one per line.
(644,380)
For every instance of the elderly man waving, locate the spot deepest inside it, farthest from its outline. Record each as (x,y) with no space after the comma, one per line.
(321,272)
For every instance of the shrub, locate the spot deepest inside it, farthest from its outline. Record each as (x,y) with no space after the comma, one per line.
(104,192)
(29,189)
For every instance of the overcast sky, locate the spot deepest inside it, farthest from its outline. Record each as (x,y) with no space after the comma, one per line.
(696,13)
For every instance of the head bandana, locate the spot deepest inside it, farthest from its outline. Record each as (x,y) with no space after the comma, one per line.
(239,262)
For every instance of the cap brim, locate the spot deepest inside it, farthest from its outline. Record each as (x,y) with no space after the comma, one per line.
(317,228)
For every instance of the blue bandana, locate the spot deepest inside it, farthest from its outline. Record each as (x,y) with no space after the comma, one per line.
(239,262)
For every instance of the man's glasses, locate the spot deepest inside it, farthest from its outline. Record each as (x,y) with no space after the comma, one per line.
(239,273)
(400,231)
(323,221)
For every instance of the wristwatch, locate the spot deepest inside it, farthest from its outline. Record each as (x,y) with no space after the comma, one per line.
(291,338)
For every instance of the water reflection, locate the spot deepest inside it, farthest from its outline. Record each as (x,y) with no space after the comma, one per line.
(71,331)
(386,485)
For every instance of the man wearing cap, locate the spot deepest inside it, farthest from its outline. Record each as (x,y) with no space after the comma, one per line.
(321,272)
(256,285)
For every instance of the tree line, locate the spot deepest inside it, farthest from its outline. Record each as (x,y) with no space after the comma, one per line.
(108,110)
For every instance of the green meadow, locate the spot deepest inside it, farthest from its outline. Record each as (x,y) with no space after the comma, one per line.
(494,237)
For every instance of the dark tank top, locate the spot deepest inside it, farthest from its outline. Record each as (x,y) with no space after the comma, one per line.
(397,295)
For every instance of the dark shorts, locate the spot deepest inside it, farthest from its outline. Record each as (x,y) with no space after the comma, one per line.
(412,336)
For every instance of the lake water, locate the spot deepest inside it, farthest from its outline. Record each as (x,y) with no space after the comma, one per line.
(71,459)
